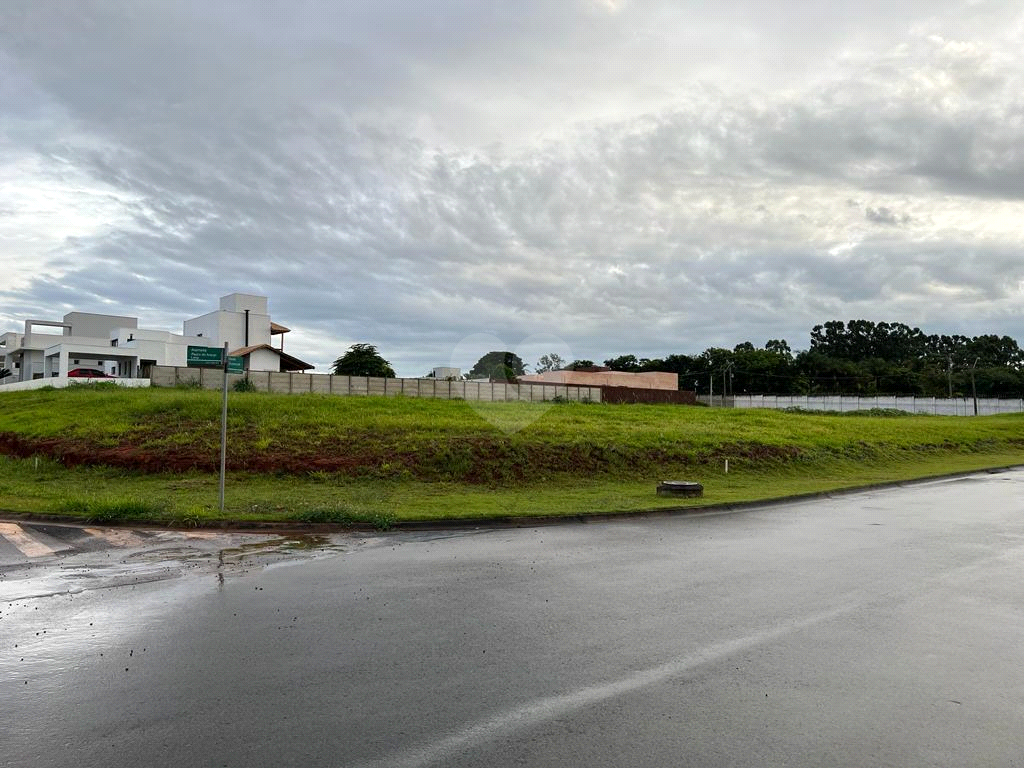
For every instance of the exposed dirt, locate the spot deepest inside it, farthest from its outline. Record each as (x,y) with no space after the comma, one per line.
(474,460)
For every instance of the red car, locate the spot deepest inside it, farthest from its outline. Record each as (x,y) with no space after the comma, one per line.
(88,373)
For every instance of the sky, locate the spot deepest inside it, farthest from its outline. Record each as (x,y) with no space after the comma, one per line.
(592,178)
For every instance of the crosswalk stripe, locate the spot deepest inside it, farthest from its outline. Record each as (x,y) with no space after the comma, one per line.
(26,544)
(117,538)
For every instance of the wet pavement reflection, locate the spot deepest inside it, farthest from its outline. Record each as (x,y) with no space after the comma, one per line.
(40,560)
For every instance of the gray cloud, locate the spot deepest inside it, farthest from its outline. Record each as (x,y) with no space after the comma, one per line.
(883,215)
(408,175)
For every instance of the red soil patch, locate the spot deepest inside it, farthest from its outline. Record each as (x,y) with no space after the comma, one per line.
(475,460)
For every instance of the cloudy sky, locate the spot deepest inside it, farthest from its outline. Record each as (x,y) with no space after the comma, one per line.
(592,177)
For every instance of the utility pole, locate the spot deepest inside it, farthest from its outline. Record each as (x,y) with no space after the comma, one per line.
(711,389)
(949,375)
(974,389)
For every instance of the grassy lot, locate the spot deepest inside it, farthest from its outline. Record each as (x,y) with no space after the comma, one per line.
(102,453)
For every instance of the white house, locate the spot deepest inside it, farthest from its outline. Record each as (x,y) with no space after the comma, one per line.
(116,344)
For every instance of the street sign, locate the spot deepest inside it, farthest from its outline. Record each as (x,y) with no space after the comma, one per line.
(236,364)
(204,356)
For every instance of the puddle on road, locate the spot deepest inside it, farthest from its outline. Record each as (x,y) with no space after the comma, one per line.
(78,572)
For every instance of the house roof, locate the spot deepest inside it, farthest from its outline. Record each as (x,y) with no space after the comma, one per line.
(288,363)
(276,328)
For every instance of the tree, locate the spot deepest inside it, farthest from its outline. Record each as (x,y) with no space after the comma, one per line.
(363,360)
(577,365)
(500,366)
(627,363)
(551,362)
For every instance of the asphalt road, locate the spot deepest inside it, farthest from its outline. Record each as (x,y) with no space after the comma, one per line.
(878,629)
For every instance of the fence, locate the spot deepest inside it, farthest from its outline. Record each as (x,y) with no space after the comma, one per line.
(326,384)
(844,403)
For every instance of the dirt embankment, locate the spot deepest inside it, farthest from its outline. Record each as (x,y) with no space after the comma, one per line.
(473,460)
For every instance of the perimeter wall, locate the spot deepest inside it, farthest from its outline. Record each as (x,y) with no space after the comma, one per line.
(326,384)
(938,406)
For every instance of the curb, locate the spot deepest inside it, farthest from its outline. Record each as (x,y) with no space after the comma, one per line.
(525,521)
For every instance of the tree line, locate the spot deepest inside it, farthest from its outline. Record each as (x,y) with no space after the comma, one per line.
(858,357)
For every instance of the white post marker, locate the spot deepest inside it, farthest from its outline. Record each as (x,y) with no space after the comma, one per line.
(224,427)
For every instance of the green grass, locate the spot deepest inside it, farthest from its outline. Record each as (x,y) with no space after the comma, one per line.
(372,461)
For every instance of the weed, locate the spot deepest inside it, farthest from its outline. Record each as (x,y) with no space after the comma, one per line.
(110,510)
(243,385)
(343,515)
(191,517)
(100,385)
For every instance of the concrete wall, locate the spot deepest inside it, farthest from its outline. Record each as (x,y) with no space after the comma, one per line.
(264,360)
(91,324)
(221,326)
(59,382)
(938,406)
(322,383)
(239,302)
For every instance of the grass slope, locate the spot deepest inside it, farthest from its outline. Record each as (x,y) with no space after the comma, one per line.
(103,453)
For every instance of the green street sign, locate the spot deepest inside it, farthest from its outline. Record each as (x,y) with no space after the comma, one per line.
(236,364)
(204,356)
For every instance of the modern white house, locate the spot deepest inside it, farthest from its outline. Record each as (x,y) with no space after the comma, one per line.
(116,345)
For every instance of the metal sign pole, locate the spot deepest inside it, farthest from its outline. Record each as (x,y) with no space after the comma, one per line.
(224,428)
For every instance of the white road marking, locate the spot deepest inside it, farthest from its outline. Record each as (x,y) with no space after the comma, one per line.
(26,544)
(548,708)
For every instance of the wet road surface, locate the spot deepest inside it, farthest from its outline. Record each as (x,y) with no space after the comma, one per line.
(883,629)
(48,559)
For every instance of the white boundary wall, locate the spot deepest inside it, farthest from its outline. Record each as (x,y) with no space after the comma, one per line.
(938,406)
(326,384)
(59,382)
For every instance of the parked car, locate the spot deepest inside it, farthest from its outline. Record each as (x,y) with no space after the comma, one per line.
(88,373)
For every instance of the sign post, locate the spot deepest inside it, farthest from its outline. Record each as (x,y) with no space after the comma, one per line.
(214,357)
(224,426)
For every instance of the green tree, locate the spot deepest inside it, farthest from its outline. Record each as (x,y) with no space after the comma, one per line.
(363,360)
(627,363)
(577,365)
(500,366)
(779,347)
(550,362)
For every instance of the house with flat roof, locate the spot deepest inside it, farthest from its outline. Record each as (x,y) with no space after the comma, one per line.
(117,345)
